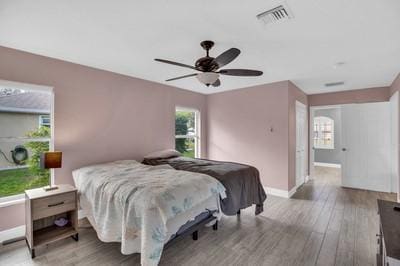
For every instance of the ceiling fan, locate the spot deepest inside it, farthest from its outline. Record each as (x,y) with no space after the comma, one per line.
(209,67)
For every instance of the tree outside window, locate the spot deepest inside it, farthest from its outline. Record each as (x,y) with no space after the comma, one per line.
(187,137)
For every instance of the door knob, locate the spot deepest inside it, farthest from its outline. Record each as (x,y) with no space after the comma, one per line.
(344,149)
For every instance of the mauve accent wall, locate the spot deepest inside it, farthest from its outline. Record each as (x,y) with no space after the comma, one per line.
(12,216)
(253,126)
(99,116)
(380,94)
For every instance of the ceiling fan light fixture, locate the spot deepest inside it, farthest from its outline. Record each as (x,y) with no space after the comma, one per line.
(209,67)
(207,78)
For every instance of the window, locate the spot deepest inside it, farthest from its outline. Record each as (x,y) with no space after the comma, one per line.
(323,133)
(23,139)
(44,120)
(187,132)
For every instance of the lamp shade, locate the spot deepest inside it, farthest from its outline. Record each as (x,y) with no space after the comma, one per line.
(207,78)
(50,159)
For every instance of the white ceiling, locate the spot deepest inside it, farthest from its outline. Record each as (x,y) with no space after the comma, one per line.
(125,36)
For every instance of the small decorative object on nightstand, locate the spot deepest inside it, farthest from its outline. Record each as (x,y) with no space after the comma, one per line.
(43,208)
(50,160)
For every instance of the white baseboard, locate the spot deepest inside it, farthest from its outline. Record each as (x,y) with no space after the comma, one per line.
(300,181)
(280,192)
(333,165)
(15,232)
(291,192)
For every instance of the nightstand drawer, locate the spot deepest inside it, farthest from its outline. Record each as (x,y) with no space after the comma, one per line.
(44,207)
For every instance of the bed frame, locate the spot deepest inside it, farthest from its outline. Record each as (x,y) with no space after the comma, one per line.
(194,230)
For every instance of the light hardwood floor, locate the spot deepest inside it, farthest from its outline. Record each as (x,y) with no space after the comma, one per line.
(323,224)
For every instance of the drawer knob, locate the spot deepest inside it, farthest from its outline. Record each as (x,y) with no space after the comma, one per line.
(55,204)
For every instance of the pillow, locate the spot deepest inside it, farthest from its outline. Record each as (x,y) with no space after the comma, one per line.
(162,167)
(164,154)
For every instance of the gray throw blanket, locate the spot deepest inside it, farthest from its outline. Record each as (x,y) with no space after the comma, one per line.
(242,182)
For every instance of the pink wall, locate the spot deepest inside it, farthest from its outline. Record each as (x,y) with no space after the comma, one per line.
(295,94)
(12,216)
(380,94)
(99,116)
(239,124)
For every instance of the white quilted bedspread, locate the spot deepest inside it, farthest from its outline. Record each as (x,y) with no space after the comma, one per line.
(131,202)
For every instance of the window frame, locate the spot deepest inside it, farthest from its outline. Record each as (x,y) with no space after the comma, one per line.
(197,130)
(20,198)
(41,118)
(319,131)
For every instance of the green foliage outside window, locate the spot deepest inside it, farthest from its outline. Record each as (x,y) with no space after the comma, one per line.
(15,181)
(181,128)
(184,125)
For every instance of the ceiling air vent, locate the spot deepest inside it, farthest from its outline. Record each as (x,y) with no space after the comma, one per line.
(332,84)
(276,14)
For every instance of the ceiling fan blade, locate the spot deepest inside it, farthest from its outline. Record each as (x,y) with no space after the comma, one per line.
(217,83)
(174,63)
(227,57)
(182,77)
(240,72)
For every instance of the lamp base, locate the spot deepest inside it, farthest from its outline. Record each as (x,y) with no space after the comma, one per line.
(49,188)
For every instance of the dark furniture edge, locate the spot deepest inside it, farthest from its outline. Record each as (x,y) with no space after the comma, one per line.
(193,230)
(390,226)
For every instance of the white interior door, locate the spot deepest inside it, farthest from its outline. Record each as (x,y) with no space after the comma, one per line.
(394,152)
(366,162)
(301,143)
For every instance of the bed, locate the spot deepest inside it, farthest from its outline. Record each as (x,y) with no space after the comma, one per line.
(242,182)
(145,207)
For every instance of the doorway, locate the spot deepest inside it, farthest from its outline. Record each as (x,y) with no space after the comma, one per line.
(325,141)
(359,139)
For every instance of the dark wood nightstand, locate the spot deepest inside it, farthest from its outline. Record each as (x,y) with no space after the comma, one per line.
(42,208)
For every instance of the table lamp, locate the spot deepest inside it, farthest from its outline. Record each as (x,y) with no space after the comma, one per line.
(50,160)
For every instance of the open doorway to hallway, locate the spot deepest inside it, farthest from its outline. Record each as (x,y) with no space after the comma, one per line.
(357,141)
(326,143)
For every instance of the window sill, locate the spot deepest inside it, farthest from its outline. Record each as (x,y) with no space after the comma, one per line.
(12,200)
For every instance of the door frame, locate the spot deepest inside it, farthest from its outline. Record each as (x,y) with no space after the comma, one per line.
(394,124)
(303,108)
